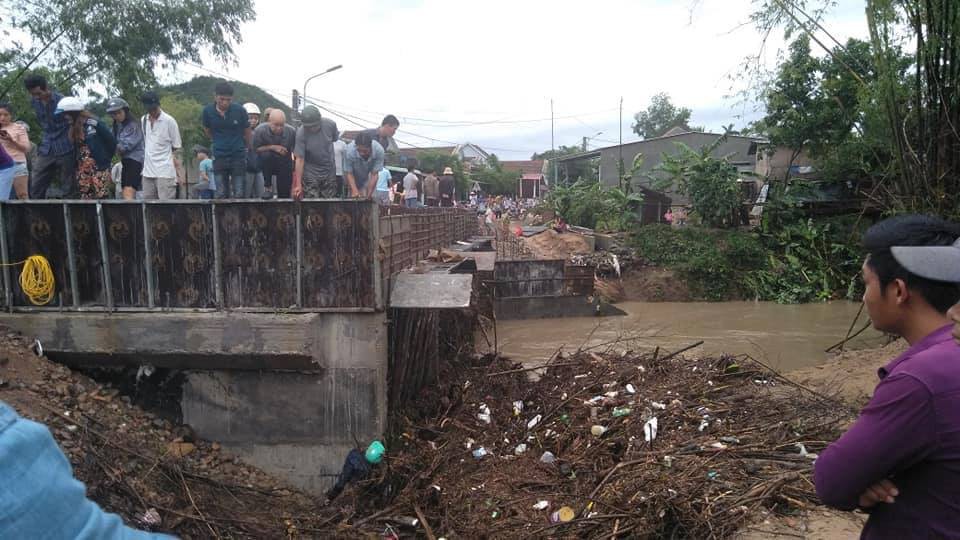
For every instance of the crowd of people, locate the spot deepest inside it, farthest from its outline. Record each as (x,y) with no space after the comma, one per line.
(253,154)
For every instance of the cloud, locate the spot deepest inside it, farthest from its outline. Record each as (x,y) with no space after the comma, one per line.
(445,64)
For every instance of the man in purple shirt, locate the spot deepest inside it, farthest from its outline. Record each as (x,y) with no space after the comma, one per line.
(900,461)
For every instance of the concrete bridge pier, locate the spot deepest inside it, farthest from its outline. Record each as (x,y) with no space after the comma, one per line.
(297,422)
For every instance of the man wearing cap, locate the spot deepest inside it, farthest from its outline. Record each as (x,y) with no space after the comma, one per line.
(314,174)
(227,125)
(447,188)
(253,187)
(900,461)
(161,156)
(274,141)
(55,154)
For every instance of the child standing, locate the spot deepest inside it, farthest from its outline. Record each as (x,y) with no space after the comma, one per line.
(207,186)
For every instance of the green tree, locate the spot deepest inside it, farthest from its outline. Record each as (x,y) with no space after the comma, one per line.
(915,98)
(431,160)
(187,113)
(494,179)
(19,99)
(660,117)
(710,182)
(586,169)
(123,43)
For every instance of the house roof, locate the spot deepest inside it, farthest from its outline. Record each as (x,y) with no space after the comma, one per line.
(414,152)
(532,176)
(523,167)
(670,135)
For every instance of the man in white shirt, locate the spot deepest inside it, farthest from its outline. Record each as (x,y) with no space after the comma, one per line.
(339,147)
(161,163)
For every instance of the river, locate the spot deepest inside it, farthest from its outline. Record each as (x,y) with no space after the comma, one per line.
(786,336)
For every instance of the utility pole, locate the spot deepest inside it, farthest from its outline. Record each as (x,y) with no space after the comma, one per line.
(584,144)
(620,168)
(553,148)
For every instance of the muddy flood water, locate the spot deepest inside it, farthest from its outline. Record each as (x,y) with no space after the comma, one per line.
(786,336)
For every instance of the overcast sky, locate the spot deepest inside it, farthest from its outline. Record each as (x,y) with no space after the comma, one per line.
(458,71)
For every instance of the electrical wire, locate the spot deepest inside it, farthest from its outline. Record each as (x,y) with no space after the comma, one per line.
(36,279)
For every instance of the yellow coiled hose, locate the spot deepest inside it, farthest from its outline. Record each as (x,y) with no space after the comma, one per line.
(36,279)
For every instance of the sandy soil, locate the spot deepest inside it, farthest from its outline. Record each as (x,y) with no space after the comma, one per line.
(654,284)
(551,245)
(852,374)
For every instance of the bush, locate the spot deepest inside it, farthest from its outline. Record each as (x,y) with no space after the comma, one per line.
(804,261)
(713,263)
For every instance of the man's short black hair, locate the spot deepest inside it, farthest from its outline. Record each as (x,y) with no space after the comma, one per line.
(7,106)
(911,230)
(390,120)
(363,139)
(35,81)
(223,89)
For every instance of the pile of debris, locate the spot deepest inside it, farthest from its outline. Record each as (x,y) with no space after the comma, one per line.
(157,476)
(602,444)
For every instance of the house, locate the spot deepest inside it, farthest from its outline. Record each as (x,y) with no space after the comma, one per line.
(772,164)
(470,154)
(531,177)
(739,149)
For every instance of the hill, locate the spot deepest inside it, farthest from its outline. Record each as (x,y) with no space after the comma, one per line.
(201,90)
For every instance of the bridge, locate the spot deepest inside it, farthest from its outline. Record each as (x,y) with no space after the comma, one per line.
(277,312)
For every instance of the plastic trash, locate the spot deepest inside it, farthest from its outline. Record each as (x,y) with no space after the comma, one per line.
(374,453)
(631,389)
(658,405)
(479,452)
(650,430)
(597,430)
(621,411)
(520,449)
(803,451)
(563,515)
(534,421)
(548,457)
(541,505)
(517,408)
(730,440)
(484,414)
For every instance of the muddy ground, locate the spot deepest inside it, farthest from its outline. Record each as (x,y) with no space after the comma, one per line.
(133,460)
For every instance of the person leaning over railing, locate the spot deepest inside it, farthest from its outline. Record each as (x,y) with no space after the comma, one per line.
(94,148)
(129,135)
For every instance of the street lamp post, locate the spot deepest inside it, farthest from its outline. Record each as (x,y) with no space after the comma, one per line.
(334,68)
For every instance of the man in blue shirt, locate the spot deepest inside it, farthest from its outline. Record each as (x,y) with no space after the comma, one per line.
(55,154)
(39,497)
(227,125)
(362,164)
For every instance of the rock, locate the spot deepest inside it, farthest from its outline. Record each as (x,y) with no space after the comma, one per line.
(180,449)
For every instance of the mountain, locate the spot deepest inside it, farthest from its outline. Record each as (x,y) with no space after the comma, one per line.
(201,90)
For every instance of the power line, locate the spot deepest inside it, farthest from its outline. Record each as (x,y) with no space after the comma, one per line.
(464,123)
(356,120)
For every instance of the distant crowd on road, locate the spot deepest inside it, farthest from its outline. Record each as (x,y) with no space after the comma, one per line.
(253,154)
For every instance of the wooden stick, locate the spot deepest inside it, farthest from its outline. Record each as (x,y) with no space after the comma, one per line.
(423,520)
